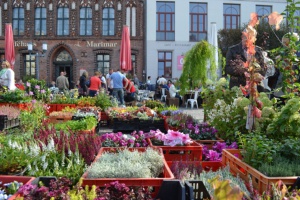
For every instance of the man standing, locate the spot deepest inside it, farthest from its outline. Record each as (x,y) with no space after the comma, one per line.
(110,84)
(118,91)
(62,82)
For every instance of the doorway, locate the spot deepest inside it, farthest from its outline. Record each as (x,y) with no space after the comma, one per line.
(64,63)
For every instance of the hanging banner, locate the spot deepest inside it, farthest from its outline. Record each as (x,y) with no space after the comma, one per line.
(180,62)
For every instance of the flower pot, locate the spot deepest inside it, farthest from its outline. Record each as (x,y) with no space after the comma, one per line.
(232,157)
(174,128)
(154,182)
(193,152)
(125,125)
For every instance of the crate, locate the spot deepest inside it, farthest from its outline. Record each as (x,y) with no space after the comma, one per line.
(125,125)
(206,165)
(210,143)
(21,179)
(146,182)
(6,124)
(192,152)
(171,190)
(57,119)
(243,170)
(147,125)
(196,190)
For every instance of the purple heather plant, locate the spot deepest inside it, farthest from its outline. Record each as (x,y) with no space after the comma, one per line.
(216,153)
(135,139)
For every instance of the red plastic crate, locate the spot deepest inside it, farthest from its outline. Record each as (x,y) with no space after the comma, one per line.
(209,143)
(193,152)
(206,165)
(21,179)
(259,180)
(154,182)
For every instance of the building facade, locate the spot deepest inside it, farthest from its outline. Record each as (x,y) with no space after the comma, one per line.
(180,24)
(80,35)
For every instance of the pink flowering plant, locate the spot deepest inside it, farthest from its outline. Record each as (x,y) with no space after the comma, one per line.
(135,139)
(201,131)
(172,138)
(38,90)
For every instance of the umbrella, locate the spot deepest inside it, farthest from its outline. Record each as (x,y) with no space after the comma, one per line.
(213,40)
(9,45)
(125,51)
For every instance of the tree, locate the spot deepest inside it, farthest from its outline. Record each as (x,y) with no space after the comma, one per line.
(195,66)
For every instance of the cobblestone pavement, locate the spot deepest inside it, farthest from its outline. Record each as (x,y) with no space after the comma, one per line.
(196,113)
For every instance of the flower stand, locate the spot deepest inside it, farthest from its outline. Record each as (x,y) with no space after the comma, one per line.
(192,152)
(125,125)
(233,157)
(154,182)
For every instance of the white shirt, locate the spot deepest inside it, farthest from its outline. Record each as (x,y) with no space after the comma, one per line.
(161,80)
(111,83)
(8,79)
(172,90)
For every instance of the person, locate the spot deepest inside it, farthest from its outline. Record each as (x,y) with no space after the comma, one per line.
(110,85)
(95,84)
(82,83)
(62,82)
(161,80)
(136,80)
(20,84)
(148,82)
(130,91)
(103,82)
(236,57)
(173,92)
(117,77)
(52,84)
(7,76)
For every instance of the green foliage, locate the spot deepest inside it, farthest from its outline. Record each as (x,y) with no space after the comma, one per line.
(65,98)
(128,164)
(13,159)
(195,70)
(16,96)
(103,101)
(33,117)
(258,149)
(166,108)
(87,123)
(39,89)
(153,104)
(224,191)
(287,121)
(281,167)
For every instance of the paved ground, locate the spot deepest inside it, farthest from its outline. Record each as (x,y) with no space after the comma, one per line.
(196,113)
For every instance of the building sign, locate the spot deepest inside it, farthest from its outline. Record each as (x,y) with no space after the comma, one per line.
(96,44)
(180,62)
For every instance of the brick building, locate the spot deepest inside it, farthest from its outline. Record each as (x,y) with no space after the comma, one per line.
(80,35)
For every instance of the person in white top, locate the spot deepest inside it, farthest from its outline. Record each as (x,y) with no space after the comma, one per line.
(161,80)
(110,85)
(173,91)
(7,76)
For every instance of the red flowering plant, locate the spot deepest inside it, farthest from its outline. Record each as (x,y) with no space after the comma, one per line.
(253,66)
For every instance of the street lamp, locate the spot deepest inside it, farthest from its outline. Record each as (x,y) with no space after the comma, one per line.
(37,55)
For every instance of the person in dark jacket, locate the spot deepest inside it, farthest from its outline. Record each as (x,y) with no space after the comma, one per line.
(82,83)
(236,57)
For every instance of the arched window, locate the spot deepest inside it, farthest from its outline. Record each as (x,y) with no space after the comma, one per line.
(198,21)
(165,21)
(131,18)
(231,16)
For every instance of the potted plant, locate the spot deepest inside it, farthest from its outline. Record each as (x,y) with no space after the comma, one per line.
(176,145)
(85,125)
(177,121)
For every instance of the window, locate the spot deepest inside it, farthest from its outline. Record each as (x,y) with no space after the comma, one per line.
(108,20)
(40,21)
(103,63)
(131,19)
(296,20)
(63,21)
(165,64)
(262,11)
(86,21)
(30,65)
(198,21)
(0,20)
(18,21)
(133,63)
(165,21)
(231,16)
